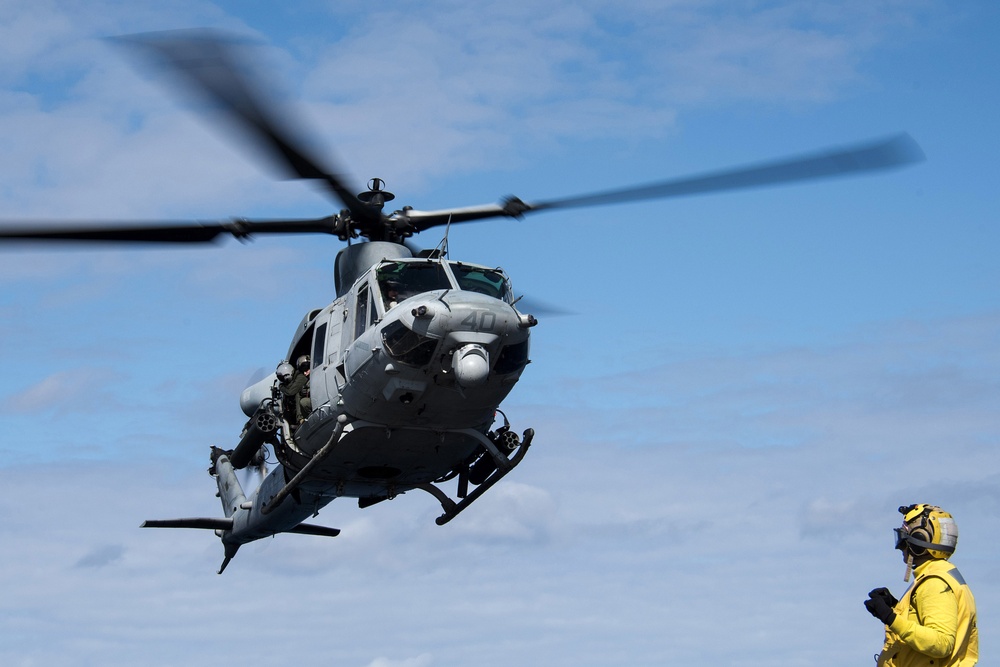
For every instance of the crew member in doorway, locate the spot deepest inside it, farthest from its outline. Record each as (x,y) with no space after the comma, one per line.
(934,623)
(294,386)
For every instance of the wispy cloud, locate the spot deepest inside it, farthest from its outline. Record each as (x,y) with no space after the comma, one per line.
(442,91)
(66,392)
(103,556)
(422,660)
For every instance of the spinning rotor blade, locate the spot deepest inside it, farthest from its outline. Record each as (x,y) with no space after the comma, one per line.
(166,232)
(885,154)
(896,151)
(211,65)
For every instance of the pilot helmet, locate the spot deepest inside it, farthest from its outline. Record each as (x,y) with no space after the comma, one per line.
(303,363)
(285,371)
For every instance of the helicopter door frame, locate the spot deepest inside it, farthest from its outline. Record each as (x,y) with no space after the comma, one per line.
(302,341)
(318,388)
(364,313)
(333,361)
(363,316)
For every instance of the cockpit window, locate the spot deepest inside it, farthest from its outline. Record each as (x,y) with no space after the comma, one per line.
(401,280)
(484,281)
(408,346)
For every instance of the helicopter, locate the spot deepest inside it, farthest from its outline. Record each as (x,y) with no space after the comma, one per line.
(396,385)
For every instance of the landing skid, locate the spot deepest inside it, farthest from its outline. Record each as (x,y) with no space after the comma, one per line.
(503,466)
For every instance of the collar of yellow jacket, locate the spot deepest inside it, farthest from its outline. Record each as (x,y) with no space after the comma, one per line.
(936,567)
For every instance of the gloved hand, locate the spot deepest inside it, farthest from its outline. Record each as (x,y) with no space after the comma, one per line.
(885,595)
(880,603)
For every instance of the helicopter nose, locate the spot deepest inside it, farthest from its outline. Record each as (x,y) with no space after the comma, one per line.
(471,364)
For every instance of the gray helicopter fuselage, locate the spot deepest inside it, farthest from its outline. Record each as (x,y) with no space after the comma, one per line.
(417,354)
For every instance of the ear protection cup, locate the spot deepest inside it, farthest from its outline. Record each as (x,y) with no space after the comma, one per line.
(921,535)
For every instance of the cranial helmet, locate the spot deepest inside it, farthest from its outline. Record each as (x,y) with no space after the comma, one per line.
(927,529)
(285,371)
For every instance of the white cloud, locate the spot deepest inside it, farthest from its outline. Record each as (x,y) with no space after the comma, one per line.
(423,660)
(66,392)
(413,98)
(452,83)
(512,512)
(102,556)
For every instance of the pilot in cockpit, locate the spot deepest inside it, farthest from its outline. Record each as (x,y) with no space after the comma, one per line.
(391,294)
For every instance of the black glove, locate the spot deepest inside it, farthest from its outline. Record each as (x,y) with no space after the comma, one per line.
(880,603)
(885,595)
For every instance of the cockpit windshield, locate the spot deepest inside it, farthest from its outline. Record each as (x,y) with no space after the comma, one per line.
(485,281)
(401,280)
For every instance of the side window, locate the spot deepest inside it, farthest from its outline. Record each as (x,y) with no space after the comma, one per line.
(361,316)
(372,312)
(319,346)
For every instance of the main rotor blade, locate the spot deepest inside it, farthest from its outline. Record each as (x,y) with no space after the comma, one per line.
(897,151)
(421,220)
(210,64)
(165,232)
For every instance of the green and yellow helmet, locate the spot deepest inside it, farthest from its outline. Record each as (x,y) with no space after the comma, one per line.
(927,529)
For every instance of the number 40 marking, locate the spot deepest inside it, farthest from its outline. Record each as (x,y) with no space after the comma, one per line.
(480,320)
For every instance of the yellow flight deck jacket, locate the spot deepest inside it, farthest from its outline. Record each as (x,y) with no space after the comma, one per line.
(935,624)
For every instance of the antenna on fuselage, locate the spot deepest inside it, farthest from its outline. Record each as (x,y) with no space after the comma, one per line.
(442,248)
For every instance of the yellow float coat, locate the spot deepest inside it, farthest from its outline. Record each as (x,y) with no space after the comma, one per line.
(935,624)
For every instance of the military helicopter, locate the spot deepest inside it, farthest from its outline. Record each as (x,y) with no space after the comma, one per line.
(396,385)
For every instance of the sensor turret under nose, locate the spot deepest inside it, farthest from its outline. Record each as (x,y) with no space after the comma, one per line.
(471,364)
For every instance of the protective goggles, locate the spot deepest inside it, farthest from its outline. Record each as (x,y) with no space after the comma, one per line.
(902,537)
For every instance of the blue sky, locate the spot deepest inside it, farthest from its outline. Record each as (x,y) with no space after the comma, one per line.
(748,387)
